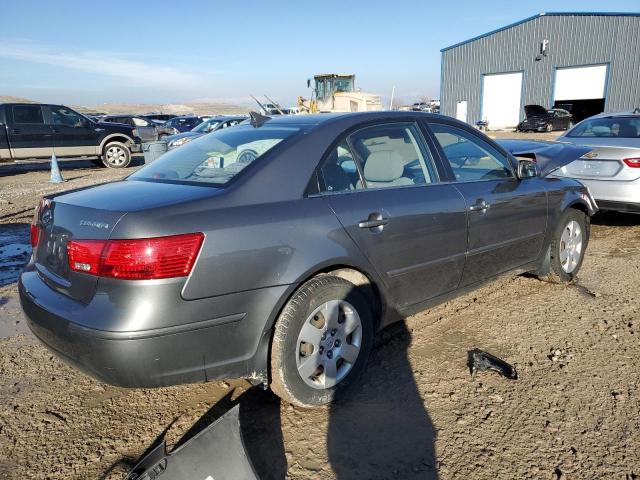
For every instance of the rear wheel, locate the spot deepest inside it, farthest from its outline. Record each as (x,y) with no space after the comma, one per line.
(321,342)
(116,155)
(569,242)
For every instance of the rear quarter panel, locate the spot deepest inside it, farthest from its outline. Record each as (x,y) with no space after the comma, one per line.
(250,247)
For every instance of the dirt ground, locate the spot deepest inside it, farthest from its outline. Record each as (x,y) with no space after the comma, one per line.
(573,413)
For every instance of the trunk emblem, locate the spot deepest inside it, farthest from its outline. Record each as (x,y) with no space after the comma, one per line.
(590,155)
(47,217)
(89,223)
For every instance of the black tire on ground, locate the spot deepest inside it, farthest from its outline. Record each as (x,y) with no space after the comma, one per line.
(116,155)
(286,381)
(555,268)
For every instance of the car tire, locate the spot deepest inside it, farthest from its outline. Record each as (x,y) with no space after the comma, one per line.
(566,250)
(116,155)
(324,316)
(549,127)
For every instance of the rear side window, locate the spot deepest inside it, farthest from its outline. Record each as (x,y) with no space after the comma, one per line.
(27,114)
(215,158)
(384,156)
(470,157)
(615,127)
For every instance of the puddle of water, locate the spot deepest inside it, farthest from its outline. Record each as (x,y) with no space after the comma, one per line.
(15,250)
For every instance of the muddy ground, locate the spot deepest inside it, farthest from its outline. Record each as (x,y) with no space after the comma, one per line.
(572,414)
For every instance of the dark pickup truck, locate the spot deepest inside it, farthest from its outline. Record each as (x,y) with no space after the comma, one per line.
(33,130)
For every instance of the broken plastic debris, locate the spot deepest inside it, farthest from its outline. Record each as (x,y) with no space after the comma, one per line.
(480,360)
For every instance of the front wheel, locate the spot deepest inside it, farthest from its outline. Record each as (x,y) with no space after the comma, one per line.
(321,342)
(116,155)
(569,242)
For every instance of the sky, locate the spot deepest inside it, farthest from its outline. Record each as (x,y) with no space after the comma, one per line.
(86,52)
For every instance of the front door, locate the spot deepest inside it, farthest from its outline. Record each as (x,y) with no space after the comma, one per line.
(74,134)
(383,186)
(29,135)
(507,217)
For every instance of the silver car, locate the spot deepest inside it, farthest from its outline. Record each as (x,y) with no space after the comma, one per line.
(611,170)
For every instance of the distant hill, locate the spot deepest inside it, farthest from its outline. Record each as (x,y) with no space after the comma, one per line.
(12,99)
(197,108)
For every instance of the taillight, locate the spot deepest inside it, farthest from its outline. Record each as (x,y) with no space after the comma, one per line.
(138,259)
(34,229)
(632,162)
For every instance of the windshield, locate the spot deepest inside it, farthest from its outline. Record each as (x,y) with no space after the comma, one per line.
(207,126)
(215,158)
(620,127)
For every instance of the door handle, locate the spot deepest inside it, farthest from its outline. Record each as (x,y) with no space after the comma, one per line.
(15,130)
(481,206)
(55,130)
(375,222)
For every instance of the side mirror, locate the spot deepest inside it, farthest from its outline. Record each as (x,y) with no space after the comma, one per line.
(527,168)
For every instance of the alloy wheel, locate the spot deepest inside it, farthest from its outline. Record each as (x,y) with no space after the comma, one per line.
(116,156)
(571,246)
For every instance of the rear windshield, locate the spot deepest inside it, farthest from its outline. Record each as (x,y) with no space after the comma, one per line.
(617,127)
(214,158)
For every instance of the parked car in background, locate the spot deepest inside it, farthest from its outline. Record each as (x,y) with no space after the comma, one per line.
(211,125)
(179,125)
(146,129)
(276,249)
(421,107)
(32,130)
(611,170)
(539,119)
(159,118)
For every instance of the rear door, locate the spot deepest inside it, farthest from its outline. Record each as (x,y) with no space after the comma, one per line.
(507,216)
(73,133)
(146,130)
(29,135)
(383,185)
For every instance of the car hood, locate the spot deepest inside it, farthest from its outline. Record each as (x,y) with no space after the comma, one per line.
(178,136)
(535,111)
(550,156)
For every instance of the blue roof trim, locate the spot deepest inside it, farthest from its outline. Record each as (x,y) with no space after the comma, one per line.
(544,14)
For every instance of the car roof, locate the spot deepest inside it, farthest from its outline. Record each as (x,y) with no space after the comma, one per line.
(628,113)
(317,119)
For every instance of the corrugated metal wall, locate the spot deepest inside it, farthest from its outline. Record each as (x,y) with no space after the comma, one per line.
(574,40)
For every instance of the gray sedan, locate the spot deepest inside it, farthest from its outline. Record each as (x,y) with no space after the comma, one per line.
(611,170)
(275,250)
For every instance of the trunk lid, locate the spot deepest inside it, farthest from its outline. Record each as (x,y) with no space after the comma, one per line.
(59,223)
(92,214)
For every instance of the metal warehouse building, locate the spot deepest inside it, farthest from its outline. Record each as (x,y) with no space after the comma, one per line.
(586,63)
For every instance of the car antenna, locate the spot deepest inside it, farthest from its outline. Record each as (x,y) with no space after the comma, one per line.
(257,120)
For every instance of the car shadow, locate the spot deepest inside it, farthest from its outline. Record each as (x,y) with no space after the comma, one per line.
(381,429)
(616,219)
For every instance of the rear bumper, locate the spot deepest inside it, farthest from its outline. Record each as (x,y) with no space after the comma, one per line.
(613,191)
(226,346)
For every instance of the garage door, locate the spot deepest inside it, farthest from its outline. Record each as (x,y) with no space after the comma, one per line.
(501,99)
(580,83)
